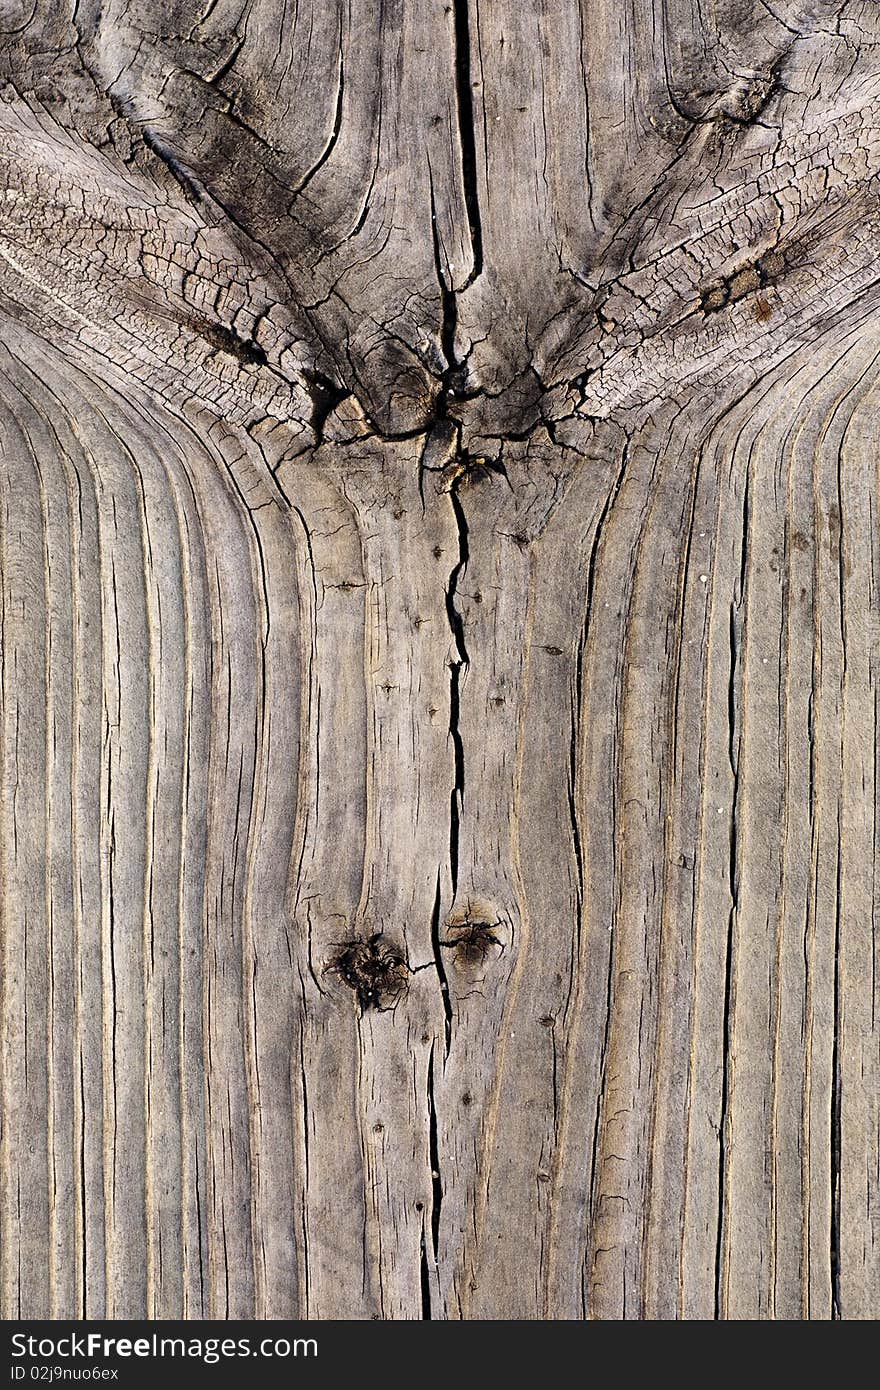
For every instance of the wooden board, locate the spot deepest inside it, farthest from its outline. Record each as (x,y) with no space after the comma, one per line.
(440,559)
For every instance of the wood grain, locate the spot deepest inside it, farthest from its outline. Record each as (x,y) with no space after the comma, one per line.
(440,553)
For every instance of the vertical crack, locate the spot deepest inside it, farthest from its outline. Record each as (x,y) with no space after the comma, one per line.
(737,639)
(456,667)
(724,1120)
(836,1097)
(452,378)
(447,436)
(452,384)
(727,1025)
(466,134)
(434,1159)
(425,1280)
(441,971)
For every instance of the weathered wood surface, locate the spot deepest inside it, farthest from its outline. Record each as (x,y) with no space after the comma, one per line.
(440,505)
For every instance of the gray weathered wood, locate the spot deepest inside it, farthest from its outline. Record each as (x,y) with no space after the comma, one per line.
(440,635)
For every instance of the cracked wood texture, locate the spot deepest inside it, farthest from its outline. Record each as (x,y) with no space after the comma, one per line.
(440,566)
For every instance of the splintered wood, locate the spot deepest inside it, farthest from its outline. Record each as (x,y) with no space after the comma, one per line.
(440,561)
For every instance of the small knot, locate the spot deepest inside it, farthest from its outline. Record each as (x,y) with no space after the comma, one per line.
(473,941)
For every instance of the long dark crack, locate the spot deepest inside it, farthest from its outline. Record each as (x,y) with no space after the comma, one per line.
(456,668)
(836,1107)
(445,440)
(452,377)
(734,698)
(451,385)
(466,132)
(434,1159)
(425,1281)
(441,969)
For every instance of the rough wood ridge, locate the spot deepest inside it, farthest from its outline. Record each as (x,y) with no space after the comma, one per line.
(440,564)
